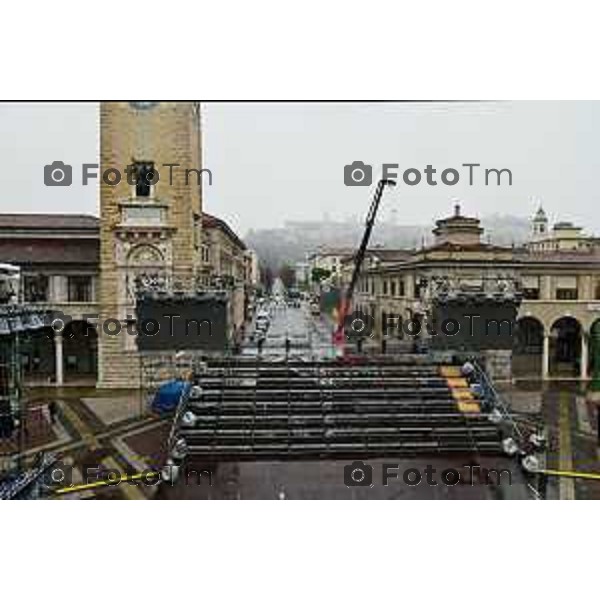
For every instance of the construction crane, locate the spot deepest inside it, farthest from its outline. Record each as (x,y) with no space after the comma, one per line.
(359,257)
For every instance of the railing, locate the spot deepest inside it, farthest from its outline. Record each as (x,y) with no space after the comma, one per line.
(492,396)
(496,402)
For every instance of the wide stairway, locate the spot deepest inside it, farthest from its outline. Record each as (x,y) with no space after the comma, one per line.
(260,409)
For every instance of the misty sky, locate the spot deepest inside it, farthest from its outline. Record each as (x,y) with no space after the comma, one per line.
(278,162)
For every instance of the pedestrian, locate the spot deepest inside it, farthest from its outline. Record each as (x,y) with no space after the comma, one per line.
(288,345)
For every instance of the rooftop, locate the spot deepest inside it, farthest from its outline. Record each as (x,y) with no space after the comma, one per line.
(210,221)
(48,221)
(566,225)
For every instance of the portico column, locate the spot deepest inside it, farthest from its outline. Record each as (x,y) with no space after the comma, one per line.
(546,356)
(583,367)
(58,357)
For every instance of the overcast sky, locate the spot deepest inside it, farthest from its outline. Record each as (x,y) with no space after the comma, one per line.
(278,162)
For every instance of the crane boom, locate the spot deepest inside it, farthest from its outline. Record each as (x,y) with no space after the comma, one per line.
(362,249)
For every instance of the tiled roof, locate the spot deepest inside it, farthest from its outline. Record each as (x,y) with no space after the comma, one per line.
(48,221)
(209,221)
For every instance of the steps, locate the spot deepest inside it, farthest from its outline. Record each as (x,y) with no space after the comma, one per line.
(251,410)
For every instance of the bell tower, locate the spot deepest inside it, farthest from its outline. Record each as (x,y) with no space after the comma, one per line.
(150,212)
(539,224)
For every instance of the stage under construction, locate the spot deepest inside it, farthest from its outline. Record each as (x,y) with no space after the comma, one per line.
(354,408)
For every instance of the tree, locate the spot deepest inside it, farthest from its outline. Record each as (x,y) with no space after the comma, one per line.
(318,274)
(266,278)
(287,274)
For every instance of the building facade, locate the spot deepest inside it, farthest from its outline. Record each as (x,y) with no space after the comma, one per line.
(563,237)
(59,256)
(253,267)
(559,313)
(225,265)
(152,233)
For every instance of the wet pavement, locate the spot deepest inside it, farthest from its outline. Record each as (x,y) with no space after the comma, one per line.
(571,419)
(310,337)
(90,432)
(420,478)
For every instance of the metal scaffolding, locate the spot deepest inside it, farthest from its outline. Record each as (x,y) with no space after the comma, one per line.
(12,422)
(17,322)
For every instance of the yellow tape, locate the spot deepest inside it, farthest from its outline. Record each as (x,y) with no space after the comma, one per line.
(573,474)
(104,482)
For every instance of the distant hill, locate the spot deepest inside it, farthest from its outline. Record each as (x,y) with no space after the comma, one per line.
(295,239)
(506,230)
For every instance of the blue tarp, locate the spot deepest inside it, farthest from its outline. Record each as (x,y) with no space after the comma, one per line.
(168,395)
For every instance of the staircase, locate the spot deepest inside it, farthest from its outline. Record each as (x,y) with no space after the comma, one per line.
(267,410)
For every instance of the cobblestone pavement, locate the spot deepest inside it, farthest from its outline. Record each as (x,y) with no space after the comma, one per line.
(91,430)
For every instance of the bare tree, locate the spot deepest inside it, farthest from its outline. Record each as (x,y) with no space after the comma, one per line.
(287,274)
(266,277)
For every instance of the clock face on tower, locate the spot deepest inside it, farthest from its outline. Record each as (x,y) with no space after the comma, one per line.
(142,105)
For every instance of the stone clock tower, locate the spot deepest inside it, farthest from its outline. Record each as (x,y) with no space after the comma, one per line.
(150,209)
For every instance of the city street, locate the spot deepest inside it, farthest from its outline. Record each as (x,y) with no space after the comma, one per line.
(309,336)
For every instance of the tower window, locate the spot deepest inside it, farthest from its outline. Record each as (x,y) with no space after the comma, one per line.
(145,178)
